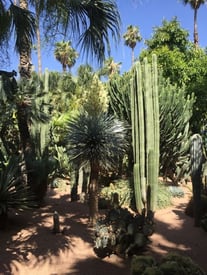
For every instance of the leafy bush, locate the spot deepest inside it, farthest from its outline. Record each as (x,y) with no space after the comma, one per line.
(163,197)
(176,191)
(120,187)
(125,194)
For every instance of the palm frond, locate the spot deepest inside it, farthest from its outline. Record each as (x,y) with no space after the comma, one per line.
(5,23)
(92,23)
(23,24)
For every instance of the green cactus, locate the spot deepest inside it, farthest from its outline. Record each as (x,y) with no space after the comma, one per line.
(196,159)
(175,114)
(145,133)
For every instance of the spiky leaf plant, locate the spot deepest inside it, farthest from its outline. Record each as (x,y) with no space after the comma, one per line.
(97,140)
(13,191)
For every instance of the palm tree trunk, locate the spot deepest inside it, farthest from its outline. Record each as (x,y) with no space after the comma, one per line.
(195,28)
(28,146)
(39,57)
(132,56)
(25,54)
(93,193)
(64,67)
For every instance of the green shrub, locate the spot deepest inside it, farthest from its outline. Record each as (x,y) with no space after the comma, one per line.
(171,264)
(163,196)
(140,263)
(120,187)
(176,191)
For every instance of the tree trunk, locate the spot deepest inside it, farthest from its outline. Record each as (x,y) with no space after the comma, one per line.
(39,58)
(28,147)
(195,29)
(93,193)
(25,65)
(132,56)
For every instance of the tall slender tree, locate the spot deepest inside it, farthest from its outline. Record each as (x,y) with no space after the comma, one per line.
(131,37)
(195,5)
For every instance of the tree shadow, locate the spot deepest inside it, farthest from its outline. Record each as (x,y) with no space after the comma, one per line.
(29,239)
(96,266)
(181,237)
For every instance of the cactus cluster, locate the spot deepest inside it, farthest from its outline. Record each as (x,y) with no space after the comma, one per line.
(145,133)
(171,263)
(122,233)
(175,113)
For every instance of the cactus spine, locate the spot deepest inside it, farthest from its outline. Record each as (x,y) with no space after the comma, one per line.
(197,158)
(145,133)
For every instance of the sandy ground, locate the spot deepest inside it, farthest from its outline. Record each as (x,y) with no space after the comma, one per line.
(29,247)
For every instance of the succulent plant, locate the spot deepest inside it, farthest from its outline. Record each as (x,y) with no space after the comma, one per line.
(123,233)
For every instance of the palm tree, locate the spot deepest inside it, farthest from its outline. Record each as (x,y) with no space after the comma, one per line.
(195,5)
(110,67)
(97,140)
(89,23)
(65,54)
(20,23)
(131,37)
(25,64)
(86,22)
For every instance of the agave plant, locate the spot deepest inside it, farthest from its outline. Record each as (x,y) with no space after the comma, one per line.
(14,193)
(98,140)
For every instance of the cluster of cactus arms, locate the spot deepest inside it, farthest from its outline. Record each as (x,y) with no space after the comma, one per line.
(119,97)
(145,133)
(175,113)
(123,233)
(196,162)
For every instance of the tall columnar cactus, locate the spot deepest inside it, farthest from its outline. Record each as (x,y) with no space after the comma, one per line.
(196,158)
(145,133)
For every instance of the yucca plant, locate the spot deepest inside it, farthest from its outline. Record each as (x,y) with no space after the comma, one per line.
(97,140)
(14,193)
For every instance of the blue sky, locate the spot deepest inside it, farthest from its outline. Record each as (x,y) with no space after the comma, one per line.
(145,14)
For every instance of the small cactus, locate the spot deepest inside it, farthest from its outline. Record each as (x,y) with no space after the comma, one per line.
(56,223)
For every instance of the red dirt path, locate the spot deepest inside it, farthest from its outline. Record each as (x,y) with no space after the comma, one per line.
(28,246)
